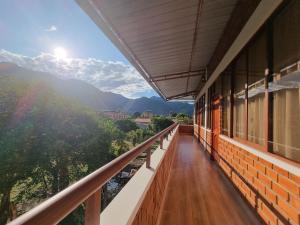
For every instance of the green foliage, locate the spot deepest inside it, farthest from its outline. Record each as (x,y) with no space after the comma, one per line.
(158,123)
(48,142)
(126,125)
(183,118)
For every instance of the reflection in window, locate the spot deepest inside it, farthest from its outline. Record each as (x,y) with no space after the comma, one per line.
(286,116)
(286,83)
(226,86)
(203,111)
(240,79)
(257,63)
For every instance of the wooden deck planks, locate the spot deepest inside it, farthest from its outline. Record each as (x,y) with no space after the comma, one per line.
(198,193)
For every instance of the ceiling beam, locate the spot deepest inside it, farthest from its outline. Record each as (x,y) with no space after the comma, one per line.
(185,94)
(176,77)
(199,10)
(179,73)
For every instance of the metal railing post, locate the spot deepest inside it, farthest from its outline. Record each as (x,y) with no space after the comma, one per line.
(93,209)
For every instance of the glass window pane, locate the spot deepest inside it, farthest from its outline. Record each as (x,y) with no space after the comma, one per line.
(225,118)
(225,115)
(257,63)
(286,123)
(287,36)
(239,115)
(286,83)
(240,78)
(255,119)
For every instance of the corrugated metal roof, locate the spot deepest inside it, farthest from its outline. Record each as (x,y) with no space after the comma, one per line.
(170,42)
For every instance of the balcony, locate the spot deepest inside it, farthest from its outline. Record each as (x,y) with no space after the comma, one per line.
(178,184)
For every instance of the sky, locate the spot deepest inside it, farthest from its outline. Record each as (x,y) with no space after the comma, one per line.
(57,36)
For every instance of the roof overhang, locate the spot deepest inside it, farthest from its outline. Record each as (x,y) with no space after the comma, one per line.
(170,43)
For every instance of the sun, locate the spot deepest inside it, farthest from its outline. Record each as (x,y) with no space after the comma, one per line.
(60,53)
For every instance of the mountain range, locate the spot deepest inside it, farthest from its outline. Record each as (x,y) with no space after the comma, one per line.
(92,97)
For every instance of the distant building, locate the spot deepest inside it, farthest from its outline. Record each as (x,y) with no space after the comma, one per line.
(115,115)
(147,114)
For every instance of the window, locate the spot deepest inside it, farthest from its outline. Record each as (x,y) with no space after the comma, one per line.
(202,105)
(240,79)
(209,100)
(226,90)
(257,63)
(285,85)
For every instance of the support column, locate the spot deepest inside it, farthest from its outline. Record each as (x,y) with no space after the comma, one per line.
(205,118)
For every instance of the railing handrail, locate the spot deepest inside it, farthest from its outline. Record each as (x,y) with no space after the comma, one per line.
(63,203)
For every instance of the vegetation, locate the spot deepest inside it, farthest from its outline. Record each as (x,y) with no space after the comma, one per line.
(48,142)
(183,118)
(126,125)
(159,123)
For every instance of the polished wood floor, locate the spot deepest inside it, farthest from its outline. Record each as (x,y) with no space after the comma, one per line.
(198,192)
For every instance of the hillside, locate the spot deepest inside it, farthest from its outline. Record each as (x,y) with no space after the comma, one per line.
(92,97)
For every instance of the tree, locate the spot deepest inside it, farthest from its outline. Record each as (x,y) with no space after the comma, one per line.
(158,123)
(126,125)
(46,143)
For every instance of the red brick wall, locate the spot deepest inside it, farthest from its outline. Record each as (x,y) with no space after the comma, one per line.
(202,135)
(208,140)
(196,131)
(271,190)
(149,210)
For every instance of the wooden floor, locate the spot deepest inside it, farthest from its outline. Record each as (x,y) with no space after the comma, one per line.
(198,192)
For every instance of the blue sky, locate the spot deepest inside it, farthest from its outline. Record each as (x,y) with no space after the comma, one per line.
(32,29)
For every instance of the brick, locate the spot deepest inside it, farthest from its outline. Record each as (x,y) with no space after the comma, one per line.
(248,176)
(289,185)
(260,187)
(292,213)
(249,160)
(266,163)
(268,216)
(252,170)
(295,202)
(260,167)
(251,200)
(264,179)
(243,164)
(271,196)
(281,171)
(241,154)
(245,189)
(272,174)
(294,178)
(280,191)
(254,157)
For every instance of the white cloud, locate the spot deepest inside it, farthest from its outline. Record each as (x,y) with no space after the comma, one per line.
(114,76)
(51,28)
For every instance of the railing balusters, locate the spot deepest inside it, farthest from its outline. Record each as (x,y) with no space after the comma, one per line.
(161,142)
(93,209)
(53,210)
(148,158)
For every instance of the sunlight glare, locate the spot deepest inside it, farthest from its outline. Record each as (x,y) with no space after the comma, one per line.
(60,53)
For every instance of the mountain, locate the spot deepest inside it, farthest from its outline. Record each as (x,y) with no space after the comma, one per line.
(92,97)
